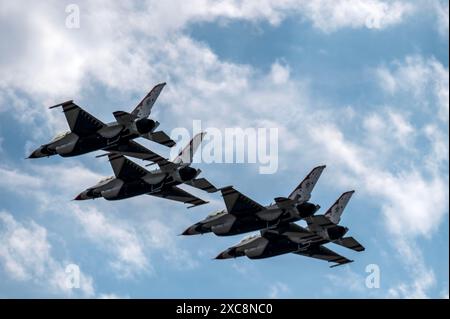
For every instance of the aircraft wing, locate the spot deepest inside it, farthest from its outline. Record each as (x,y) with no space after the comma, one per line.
(203,184)
(125,169)
(350,243)
(80,122)
(237,203)
(179,195)
(323,253)
(136,150)
(160,137)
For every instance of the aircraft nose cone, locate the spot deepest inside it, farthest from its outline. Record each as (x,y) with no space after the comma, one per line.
(220,256)
(81,196)
(187,232)
(224,255)
(36,153)
(191,231)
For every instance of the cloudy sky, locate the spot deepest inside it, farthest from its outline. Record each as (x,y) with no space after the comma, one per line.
(361,86)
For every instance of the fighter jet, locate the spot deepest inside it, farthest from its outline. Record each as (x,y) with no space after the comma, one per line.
(132,180)
(292,238)
(88,134)
(243,214)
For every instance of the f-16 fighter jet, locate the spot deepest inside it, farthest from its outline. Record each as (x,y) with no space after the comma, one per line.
(132,180)
(292,238)
(88,134)
(243,214)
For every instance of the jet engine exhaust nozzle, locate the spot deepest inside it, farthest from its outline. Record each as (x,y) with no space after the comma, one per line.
(145,126)
(307,209)
(336,232)
(187,173)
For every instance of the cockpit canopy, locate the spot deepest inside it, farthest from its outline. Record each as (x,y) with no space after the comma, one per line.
(216,213)
(248,238)
(106,179)
(60,136)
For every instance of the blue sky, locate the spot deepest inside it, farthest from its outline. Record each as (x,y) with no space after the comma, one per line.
(361,86)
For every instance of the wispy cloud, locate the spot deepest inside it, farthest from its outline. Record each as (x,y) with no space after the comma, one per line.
(26,255)
(278,290)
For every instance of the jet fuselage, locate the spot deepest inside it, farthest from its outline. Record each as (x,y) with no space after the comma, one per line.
(260,247)
(268,245)
(116,188)
(69,144)
(225,224)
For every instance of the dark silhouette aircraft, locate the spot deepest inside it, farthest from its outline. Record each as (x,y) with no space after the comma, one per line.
(132,180)
(243,214)
(88,134)
(292,238)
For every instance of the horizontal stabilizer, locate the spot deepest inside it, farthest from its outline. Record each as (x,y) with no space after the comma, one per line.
(179,195)
(343,262)
(203,184)
(323,253)
(136,150)
(160,137)
(319,221)
(123,118)
(350,243)
(283,202)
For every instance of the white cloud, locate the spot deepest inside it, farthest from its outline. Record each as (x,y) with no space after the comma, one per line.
(130,244)
(388,125)
(25,255)
(44,183)
(422,277)
(159,236)
(421,78)
(278,289)
(437,159)
(15,180)
(441,8)
(128,257)
(68,179)
(111,296)
(372,14)
(406,195)
(348,280)
(54,62)
(279,73)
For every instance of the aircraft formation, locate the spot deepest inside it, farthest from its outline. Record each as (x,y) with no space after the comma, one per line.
(278,231)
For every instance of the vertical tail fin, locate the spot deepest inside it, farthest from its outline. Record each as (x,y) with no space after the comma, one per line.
(187,154)
(302,192)
(144,107)
(334,212)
